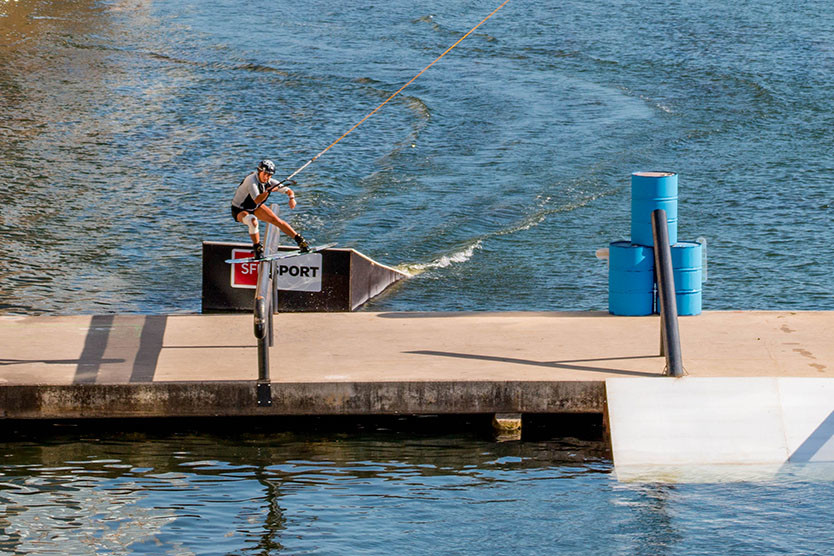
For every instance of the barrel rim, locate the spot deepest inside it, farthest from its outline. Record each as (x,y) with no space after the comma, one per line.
(685,243)
(628,244)
(654,174)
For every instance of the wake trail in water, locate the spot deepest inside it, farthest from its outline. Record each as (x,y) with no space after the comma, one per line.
(443,261)
(531,221)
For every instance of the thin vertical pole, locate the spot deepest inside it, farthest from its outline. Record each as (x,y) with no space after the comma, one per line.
(670,333)
(270,306)
(261,326)
(262,306)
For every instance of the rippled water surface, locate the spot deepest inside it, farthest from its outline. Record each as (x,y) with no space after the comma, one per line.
(372,490)
(126,125)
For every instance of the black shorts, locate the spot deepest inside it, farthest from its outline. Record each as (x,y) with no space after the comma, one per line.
(236,211)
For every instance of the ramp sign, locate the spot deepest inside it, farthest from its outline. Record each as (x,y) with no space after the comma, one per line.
(244,275)
(301,273)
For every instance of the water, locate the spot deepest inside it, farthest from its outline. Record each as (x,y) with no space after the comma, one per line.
(125,127)
(494,177)
(374,490)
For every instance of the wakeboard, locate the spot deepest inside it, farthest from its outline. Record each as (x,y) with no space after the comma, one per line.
(282,254)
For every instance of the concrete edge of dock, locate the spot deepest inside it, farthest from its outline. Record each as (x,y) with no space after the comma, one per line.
(240,398)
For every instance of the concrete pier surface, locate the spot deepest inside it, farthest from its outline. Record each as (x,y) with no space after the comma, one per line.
(379,363)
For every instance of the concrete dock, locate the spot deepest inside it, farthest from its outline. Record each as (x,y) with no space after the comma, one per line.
(110,366)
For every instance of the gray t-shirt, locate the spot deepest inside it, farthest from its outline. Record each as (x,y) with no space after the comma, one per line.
(250,188)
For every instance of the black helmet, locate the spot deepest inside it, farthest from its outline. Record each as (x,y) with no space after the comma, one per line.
(267,166)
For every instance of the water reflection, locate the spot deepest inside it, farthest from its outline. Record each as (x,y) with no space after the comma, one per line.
(726,473)
(429,487)
(654,528)
(259,490)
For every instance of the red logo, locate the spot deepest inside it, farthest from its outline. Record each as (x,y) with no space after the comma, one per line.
(244,275)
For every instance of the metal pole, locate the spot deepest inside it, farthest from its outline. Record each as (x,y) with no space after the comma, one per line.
(262,305)
(260,334)
(264,308)
(272,239)
(271,305)
(666,293)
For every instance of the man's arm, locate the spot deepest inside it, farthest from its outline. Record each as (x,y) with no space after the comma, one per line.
(275,185)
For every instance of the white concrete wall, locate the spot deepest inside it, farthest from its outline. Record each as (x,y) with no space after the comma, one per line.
(705,421)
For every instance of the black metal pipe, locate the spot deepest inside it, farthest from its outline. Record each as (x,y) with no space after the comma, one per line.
(261,335)
(264,308)
(260,320)
(263,360)
(670,333)
(264,388)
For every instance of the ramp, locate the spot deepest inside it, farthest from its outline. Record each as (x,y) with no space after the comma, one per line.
(349,279)
(341,280)
(718,421)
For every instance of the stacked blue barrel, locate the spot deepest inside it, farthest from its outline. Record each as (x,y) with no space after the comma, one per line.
(631,278)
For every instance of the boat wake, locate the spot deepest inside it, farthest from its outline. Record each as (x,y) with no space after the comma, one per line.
(530,221)
(444,261)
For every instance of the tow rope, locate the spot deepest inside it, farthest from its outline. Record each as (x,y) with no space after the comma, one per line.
(372,112)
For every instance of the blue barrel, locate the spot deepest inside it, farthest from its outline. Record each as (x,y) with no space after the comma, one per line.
(686,269)
(651,191)
(630,279)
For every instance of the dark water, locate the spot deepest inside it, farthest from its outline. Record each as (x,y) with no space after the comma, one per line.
(390,488)
(125,126)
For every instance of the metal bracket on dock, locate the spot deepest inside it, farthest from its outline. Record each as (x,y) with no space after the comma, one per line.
(264,394)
